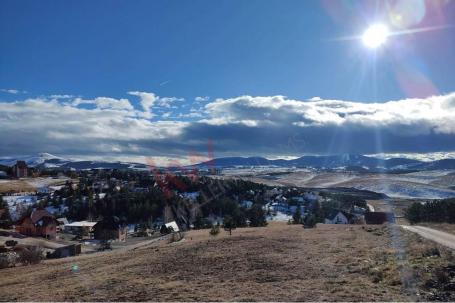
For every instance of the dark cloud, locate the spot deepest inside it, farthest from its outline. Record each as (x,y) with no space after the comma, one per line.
(267,126)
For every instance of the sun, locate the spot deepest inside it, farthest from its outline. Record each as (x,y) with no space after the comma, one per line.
(375,35)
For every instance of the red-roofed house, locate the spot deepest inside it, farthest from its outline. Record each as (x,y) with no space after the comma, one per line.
(39,224)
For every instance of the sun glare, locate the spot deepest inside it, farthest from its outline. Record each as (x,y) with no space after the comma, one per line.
(375,36)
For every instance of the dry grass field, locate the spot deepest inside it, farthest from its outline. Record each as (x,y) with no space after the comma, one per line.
(277,263)
(30,184)
(16,186)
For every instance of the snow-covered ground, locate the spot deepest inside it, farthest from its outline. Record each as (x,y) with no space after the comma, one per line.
(408,190)
(41,182)
(279,217)
(424,184)
(18,203)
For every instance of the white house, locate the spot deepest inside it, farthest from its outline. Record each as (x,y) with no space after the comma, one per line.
(337,217)
(173,225)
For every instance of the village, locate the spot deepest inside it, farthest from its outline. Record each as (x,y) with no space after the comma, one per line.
(94,210)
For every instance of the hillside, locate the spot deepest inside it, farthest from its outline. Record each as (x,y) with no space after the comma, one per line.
(277,263)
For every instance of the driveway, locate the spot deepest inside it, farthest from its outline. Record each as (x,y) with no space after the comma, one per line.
(437,236)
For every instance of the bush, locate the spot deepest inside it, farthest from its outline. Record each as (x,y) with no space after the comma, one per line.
(175,237)
(8,260)
(10,243)
(431,252)
(256,215)
(32,255)
(4,262)
(215,230)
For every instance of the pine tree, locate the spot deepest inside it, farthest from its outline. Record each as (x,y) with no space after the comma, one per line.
(297,216)
(257,216)
(5,216)
(229,224)
(414,213)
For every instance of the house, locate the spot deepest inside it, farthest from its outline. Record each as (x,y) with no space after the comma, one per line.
(338,217)
(111,228)
(281,207)
(39,224)
(20,169)
(61,224)
(65,251)
(84,228)
(379,217)
(173,225)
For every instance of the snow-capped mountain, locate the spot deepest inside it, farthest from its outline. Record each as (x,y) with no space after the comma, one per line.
(49,161)
(345,161)
(34,161)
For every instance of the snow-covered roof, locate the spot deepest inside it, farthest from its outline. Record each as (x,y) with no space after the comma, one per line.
(81,224)
(174,225)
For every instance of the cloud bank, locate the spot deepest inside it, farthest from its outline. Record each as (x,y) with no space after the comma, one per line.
(246,125)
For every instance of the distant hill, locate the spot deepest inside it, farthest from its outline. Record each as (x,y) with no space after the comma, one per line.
(348,161)
(48,161)
(344,161)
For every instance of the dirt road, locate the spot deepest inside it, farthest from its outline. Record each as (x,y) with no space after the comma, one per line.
(440,237)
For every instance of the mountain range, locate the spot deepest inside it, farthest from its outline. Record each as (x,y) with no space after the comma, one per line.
(344,161)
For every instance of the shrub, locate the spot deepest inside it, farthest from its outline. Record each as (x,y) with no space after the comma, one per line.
(215,230)
(432,252)
(32,255)
(175,237)
(10,243)
(4,262)
(8,260)
(229,224)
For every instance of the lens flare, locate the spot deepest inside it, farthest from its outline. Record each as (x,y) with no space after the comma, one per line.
(375,36)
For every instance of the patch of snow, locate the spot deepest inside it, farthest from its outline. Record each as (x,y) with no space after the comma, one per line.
(280,216)
(192,196)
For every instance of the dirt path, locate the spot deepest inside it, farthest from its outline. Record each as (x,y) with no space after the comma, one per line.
(440,237)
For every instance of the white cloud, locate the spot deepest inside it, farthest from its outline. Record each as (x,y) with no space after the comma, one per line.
(150,100)
(106,103)
(407,117)
(202,99)
(147,102)
(12,91)
(61,96)
(168,101)
(253,125)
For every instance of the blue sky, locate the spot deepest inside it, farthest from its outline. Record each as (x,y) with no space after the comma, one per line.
(201,48)
(220,49)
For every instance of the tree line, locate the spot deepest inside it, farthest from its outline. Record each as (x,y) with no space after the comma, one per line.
(441,211)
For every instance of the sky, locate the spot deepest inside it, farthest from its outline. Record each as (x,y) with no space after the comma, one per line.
(135,80)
